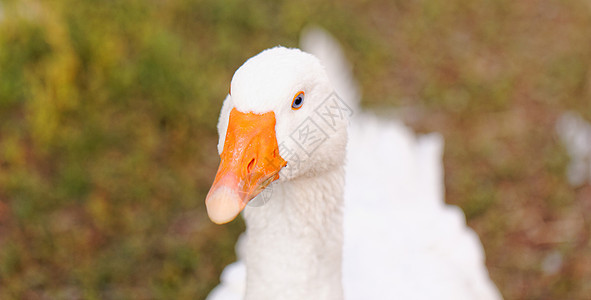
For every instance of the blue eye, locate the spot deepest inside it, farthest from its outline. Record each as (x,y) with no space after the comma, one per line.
(298,101)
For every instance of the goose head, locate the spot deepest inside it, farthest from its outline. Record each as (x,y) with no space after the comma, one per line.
(280,121)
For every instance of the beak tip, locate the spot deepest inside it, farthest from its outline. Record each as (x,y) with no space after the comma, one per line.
(223,205)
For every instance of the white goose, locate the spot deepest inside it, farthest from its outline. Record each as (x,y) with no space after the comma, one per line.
(386,234)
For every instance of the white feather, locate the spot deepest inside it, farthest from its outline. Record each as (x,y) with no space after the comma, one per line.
(575,134)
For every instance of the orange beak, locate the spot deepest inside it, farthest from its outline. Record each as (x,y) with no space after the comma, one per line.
(250,161)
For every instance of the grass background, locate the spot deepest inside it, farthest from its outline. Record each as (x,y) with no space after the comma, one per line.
(107,132)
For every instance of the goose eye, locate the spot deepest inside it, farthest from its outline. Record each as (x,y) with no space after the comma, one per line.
(298,101)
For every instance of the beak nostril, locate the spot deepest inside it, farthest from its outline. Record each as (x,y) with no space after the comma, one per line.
(250,165)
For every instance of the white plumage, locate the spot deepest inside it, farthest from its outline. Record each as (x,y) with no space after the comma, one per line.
(401,241)
(575,134)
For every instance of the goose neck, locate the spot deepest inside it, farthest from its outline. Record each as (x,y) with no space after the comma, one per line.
(294,242)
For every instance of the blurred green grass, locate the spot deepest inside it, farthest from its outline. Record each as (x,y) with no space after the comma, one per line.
(107,131)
